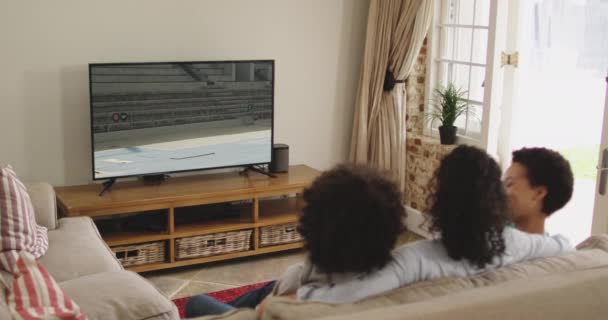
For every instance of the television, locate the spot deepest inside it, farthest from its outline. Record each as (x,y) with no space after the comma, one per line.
(166,117)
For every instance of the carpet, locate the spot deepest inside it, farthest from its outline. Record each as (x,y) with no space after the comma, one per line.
(223,295)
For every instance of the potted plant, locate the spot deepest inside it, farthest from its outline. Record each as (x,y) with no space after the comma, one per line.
(449,104)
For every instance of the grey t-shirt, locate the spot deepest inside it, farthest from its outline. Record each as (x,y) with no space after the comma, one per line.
(418,261)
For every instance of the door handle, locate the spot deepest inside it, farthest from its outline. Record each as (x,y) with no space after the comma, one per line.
(603,169)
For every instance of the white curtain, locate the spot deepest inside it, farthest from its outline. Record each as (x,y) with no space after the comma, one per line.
(395,33)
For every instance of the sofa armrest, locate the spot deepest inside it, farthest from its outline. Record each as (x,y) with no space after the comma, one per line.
(45,205)
(119,295)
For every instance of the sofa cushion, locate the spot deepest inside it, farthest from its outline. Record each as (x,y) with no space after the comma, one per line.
(35,295)
(578,294)
(18,228)
(76,249)
(239,314)
(286,308)
(599,241)
(45,205)
(120,295)
(590,256)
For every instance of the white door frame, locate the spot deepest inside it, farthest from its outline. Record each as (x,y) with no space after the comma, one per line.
(510,77)
(493,88)
(600,210)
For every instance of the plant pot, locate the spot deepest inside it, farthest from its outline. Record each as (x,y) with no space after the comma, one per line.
(447,135)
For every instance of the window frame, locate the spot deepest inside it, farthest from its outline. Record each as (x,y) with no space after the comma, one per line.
(487,137)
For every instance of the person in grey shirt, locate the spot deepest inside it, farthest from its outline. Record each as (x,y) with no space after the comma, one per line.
(350,223)
(468,211)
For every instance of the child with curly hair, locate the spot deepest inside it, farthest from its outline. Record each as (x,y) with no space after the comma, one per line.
(350,223)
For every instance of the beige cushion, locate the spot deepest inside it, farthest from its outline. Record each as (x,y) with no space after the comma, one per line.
(599,241)
(240,314)
(589,257)
(564,296)
(120,295)
(45,206)
(76,249)
(287,308)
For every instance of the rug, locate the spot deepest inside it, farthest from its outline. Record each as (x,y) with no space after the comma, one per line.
(223,295)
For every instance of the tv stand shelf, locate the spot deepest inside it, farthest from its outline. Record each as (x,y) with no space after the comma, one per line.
(259,201)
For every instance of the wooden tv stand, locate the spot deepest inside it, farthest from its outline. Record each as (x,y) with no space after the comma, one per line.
(262,199)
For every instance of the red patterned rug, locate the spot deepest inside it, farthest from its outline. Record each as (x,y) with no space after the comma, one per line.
(223,295)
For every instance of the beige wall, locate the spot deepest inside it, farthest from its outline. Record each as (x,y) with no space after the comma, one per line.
(45,47)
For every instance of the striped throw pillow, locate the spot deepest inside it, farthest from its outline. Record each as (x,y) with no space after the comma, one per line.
(34,294)
(18,228)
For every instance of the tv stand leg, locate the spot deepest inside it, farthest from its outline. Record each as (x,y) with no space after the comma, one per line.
(256,169)
(106,186)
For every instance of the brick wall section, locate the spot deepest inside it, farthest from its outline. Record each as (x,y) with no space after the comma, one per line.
(416,95)
(423,157)
(423,153)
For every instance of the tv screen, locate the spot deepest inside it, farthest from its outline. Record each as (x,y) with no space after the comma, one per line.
(154,118)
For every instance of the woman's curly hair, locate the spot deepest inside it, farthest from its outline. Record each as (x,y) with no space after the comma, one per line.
(469,206)
(351,219)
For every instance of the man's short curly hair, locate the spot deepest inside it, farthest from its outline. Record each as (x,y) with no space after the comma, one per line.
(469,206)
(547,168)
(351,219)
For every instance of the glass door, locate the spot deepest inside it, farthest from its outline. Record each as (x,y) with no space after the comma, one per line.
(555,95)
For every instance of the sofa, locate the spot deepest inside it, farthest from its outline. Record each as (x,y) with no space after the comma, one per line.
(88,271)
(570,286)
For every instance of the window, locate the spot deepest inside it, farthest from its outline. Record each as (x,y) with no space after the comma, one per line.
(459,40)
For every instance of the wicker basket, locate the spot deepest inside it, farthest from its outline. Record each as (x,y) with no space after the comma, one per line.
(138,254)
(284,233)
(213,244)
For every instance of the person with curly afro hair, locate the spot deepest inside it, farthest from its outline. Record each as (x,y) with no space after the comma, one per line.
(469,214)
(538,182)
(350,222)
